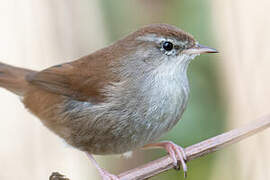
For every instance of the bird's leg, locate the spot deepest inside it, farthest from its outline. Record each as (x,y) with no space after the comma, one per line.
(103,173)
(174,152)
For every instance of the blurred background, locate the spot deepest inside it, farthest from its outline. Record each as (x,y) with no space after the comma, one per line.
(228,90)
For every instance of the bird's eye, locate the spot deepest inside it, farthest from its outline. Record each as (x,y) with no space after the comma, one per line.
(168,46)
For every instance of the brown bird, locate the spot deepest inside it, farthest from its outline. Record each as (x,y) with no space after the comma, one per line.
(117,99)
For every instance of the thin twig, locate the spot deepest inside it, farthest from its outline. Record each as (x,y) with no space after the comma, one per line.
(197,150)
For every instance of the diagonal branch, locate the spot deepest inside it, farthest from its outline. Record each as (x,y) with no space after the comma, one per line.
(197,150)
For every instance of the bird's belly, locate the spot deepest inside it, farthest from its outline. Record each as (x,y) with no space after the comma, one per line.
(120,135)
(117,135)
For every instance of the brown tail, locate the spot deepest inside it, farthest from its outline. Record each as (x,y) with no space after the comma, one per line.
(13,78)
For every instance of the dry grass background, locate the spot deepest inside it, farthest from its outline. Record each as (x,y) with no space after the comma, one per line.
(242,29)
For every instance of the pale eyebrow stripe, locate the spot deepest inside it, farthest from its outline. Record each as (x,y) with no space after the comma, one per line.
(156,39)
(151,38)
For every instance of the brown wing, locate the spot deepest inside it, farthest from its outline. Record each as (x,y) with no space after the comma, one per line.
(82,79)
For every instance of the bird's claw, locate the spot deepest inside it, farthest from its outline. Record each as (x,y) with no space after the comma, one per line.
(174,152)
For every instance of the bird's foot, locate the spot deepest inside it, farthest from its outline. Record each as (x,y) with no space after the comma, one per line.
(174,151)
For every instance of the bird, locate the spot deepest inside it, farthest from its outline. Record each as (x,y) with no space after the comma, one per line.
(117,99)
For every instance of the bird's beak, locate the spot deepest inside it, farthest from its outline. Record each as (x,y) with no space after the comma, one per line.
(200,49)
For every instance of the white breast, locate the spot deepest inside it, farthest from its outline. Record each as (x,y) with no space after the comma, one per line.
(167,91)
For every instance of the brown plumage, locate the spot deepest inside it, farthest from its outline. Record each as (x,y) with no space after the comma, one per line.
(116,99)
